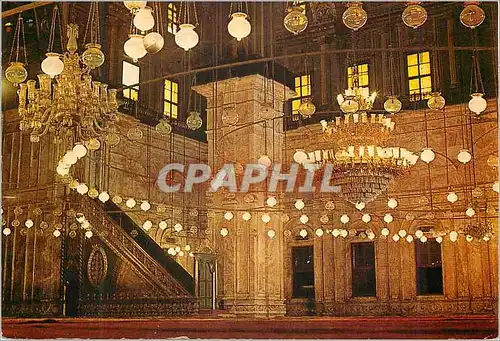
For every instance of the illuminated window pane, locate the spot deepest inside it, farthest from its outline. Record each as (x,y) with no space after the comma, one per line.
(414,84)
(419,79)
(425,69)
(425,82)
(412,59)
(302,90)
(295,107)
(171,99)
(363,78)
(424,57)
(172,25)
(306,91)
(413,71)
(130,76)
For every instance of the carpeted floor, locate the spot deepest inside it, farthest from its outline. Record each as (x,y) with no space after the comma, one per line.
(470,327)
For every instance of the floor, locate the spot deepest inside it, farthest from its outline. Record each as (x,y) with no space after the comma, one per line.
(470,327)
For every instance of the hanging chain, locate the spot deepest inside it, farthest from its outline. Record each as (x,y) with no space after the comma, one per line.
(476,70)
(52,28)
(24,44)
(156,12)
(391,55)
(97,18)
(181,16)
(15,42)
(88,23)
(182,13)
(160,19)
(62,37)
(131,28)
(195,14)
(92,24)
(18,31)
(185,13)
(479,75)
(264,82)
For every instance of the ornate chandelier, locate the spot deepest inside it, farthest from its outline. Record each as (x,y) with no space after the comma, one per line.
(362,164)
(73,102)
(480,230)
(356,99)
(364,172)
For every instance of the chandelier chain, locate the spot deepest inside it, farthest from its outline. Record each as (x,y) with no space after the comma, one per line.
(195,14)
(55,12)
(24,43)
(160,20)
(92,24)
(16,40)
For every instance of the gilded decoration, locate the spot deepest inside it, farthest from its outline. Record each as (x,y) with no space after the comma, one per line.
(97,266)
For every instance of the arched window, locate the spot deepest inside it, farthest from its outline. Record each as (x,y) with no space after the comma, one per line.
(172,13)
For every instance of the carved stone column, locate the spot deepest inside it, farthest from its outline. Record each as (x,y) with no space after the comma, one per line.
(250,262)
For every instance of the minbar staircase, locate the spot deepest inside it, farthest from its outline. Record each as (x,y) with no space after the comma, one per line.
(169,288)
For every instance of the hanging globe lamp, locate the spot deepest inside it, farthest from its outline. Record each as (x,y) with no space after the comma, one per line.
(186,37)
(194,121)
(295,21)
(163,127)
(16,73)
(144,20)
(414,15)
(464,156)
(93,56)
(300,156)
(153,42)
(134,47)
(436,101)
(477,104)
(134,6)
(392,105)
(472,15)
(355,16)
(52,65)
(427,155)
(349,106)
(239,27)
(307,108)
(452,197)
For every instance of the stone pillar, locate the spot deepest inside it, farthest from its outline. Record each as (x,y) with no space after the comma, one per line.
(250,262)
